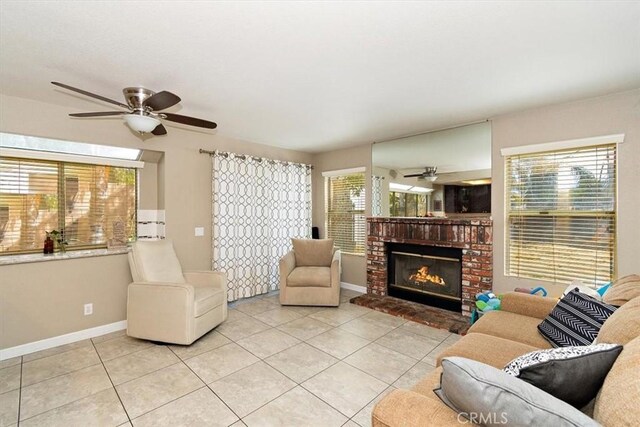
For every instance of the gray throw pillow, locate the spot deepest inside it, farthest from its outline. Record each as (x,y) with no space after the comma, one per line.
(558,370)
(487,396)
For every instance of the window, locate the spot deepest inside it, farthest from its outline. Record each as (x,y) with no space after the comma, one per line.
(81,200)
(344,209)
(408,204)
(561,214)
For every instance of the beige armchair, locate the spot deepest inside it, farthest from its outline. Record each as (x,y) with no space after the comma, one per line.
(310,274)
(164,304)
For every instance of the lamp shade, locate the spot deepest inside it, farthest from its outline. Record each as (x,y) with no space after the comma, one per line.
(142,124)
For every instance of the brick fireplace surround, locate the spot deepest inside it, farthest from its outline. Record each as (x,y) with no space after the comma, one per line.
(473,236)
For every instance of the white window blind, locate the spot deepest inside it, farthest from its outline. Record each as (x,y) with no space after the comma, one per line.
(344,211)
(561,214)
(81,200)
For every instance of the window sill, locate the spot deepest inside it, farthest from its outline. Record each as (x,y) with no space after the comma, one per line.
(89,253)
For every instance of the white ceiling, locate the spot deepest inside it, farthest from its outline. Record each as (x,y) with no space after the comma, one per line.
(315,76)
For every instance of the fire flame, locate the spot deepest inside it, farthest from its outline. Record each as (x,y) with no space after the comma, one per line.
(423,276)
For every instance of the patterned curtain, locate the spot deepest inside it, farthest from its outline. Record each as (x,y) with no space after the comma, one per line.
(258,206)
(376,195)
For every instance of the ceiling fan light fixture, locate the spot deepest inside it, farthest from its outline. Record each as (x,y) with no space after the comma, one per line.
(140,123)
(430,178)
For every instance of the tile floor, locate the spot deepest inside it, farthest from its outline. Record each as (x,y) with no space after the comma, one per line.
(267,365)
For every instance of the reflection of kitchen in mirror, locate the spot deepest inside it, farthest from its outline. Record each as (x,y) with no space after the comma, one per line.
(442,173)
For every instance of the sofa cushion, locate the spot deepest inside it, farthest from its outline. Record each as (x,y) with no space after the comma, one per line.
(511,326)
(619,398)
(313,252)
(558,370)
(622,290)
(623,325)
(207,298)
(494,397)
(576,320)
(156,261)
(488,349)
(310,277)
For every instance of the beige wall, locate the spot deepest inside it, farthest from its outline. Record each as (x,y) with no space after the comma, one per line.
(354,267)
(613,114)
(183,173)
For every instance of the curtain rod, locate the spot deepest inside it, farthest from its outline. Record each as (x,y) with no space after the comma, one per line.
(257,159)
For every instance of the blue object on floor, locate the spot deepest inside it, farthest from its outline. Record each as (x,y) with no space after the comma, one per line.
(539,289)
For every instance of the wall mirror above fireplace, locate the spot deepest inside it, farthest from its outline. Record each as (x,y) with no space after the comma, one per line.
(442,173)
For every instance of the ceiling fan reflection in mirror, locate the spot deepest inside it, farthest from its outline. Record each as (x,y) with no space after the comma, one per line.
(429,174)
(144,107)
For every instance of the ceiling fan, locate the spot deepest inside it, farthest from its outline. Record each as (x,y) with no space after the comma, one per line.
(429,174)
(143,109)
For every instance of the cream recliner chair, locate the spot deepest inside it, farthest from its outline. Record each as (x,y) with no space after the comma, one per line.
(310,274)
(164,304)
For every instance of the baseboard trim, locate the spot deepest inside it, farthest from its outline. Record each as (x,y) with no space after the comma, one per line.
(32,347)
(352,287)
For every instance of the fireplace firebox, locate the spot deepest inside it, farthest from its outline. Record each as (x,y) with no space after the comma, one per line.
(426,274)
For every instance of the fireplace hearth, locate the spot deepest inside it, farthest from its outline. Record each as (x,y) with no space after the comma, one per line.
(471,241)
(426,274)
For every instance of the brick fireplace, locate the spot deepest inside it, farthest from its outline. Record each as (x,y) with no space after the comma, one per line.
(474,237)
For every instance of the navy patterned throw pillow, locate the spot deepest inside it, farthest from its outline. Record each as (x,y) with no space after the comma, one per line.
(575,320)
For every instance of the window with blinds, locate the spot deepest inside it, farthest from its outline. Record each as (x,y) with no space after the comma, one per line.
(81,200)
(561,214)
(344,211)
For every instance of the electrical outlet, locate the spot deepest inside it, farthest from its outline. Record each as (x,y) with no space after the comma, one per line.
(199,231)
(88,309)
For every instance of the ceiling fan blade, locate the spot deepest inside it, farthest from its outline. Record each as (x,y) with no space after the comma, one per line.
(161,100)
(192,121)
(93,95)
(413,175)
(159,130)
(101,114)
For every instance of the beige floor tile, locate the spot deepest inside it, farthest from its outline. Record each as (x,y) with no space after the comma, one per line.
(9,403)
(304,310)
(10,378)
(334,316)
(350,424)
(385,319)
(453,338)
(277,316)
(363,418)
(120,346)
(405,342)
(264,344)
(354,308)
(56,350)
(431,358)
(345,388)
(200,408)
(305,328)
(301,362)
(256,306)
(55,392)
(158,388)
(109,336)
(100,409)
(369,359)
(10,362)
(250,388)
(426,331)
(366,328)
(238,423)
(212,340)
(414,375)
(297,407)
(58,364)
(143,362)
(338,343)
(241,328)
(233,315)
(222,361)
